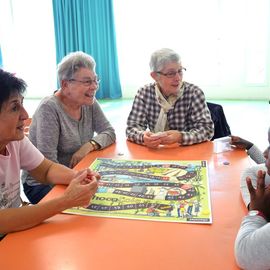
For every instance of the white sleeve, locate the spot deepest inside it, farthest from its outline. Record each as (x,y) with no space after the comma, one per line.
(252,244)
(256,154)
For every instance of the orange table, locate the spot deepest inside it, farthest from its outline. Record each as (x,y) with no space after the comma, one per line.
(69,242)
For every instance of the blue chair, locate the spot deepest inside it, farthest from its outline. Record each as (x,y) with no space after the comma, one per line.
(222,128)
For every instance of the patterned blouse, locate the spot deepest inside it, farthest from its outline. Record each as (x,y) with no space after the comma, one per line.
(190,115)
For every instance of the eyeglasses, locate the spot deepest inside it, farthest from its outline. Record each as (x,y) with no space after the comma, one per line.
(87,82)
(172,74)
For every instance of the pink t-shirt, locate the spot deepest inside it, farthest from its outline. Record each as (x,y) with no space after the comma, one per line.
(21,155)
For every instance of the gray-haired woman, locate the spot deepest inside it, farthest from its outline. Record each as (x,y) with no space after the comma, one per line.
(69,124)
(169,110)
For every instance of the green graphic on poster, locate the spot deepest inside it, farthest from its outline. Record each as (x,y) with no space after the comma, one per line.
(158,190)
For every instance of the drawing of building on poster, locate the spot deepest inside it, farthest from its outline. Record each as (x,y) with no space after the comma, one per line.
(174,191)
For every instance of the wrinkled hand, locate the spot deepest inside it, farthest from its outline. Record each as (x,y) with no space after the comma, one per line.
(89,175)
(240,143)
(173,136)
(259,197)
(80,190)
(151,142)
(80,154)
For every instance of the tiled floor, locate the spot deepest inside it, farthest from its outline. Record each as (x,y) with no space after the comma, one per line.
(247,119)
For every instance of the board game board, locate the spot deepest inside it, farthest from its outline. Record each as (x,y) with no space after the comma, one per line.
(158,190)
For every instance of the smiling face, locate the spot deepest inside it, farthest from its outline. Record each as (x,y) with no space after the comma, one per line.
(266,154)
(12,116)
(81,89)
(169,86)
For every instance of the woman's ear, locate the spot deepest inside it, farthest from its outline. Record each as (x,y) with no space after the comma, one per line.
(64,83)
(154,75)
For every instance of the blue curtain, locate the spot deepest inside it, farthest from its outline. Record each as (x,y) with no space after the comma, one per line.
(88,25)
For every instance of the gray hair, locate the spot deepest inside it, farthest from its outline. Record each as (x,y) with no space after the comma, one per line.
(162,57)
(73,62)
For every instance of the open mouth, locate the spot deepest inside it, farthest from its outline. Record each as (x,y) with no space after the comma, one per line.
(21,127)
(89,95)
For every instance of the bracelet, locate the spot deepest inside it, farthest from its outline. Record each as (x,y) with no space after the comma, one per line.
(257,213)
(95,145)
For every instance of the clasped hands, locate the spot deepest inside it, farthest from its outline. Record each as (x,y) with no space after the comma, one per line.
(153,140)
(82,188)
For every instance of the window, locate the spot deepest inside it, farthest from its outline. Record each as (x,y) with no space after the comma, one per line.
(223,44)
(27,43)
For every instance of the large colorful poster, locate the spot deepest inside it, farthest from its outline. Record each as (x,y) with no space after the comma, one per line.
(175,191)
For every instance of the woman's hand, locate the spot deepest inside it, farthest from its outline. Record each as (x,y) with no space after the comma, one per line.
(80,190)
(150,140)
(173,136)
(80,154)
(153,140)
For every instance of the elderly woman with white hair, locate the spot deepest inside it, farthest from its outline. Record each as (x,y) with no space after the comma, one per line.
(70,123)
(169,110)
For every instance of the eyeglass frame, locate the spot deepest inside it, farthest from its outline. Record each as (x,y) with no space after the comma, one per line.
(87,82)
(172,74)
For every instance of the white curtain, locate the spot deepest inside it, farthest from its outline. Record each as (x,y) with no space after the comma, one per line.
(27,43)
(223,44)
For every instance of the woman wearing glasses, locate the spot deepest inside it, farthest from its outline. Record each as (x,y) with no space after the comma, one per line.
(69,124)
(169,110)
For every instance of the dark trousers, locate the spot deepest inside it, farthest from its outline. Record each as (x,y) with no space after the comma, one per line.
(36,193)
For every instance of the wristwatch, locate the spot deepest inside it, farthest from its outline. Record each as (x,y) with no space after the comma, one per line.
(95,145)
(253,213)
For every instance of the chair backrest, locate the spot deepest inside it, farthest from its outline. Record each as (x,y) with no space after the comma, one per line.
(222,128)
(27,124)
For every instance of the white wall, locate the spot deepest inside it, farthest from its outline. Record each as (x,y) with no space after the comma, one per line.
(224,44)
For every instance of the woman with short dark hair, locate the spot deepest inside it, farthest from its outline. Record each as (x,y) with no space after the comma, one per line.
(17,152)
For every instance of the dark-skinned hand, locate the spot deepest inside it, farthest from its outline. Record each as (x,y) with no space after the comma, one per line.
(259,197)
(240,143)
